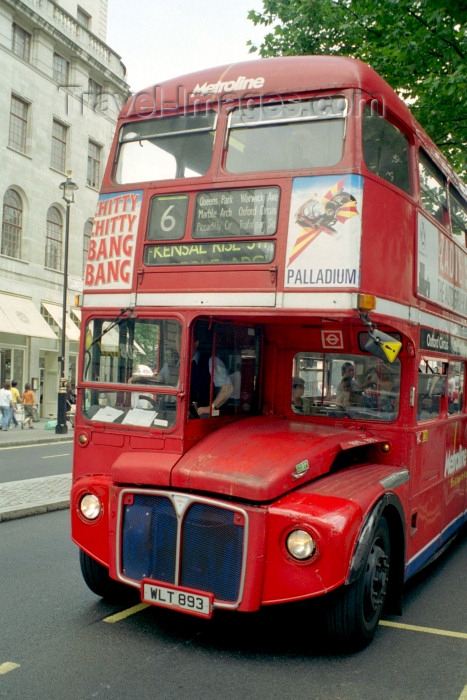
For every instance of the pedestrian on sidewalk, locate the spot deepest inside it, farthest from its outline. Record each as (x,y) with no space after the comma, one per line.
(16,401)
(6,405)
(29,400)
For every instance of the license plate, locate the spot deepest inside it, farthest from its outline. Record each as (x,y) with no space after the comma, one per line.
(177,598)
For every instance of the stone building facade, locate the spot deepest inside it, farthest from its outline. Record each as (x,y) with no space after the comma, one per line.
(60,93)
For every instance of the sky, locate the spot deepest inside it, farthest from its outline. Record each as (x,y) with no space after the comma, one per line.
(162,39)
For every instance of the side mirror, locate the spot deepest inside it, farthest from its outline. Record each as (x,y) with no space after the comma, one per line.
(383,345)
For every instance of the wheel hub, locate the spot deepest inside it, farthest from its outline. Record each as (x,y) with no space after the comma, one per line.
(376,579)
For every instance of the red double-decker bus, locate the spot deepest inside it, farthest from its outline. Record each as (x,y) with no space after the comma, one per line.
(271,396)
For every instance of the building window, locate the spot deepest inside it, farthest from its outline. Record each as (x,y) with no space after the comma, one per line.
(59,134)
(12,365)
(94,93)
(20,42)
(86,241)
(83,17)
(12,224)
(94,164)
(53,243)
(61,68)
(18,124)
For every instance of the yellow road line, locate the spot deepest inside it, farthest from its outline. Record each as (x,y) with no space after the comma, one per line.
(463,695)
(126,613)
(426,630)
(7,667)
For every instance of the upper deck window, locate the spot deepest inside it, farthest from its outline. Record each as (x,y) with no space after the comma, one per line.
(432,188)
(165,148)
(458,209)
(385,150)
(287,136)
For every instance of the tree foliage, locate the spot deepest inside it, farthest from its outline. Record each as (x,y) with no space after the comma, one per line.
(418,46)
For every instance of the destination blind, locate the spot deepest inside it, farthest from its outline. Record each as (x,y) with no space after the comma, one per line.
(248,213)
(223,252)
(228,213)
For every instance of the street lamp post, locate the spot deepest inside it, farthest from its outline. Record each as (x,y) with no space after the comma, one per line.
(68,187)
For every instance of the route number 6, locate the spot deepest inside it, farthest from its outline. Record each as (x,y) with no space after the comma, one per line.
(167,220)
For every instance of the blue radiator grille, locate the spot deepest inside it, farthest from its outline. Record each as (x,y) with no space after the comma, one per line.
(210,550)
(149,539)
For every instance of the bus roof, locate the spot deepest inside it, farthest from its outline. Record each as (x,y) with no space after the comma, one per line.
(284,75)
(271,76)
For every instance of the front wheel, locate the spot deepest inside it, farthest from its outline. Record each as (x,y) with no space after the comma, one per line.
(356,610)
(96,577)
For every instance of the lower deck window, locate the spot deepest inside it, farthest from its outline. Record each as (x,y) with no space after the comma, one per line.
(336,386)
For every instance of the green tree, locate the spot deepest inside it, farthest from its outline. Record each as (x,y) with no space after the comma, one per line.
(418,46)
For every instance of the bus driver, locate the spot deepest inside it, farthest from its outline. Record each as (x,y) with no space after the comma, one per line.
(201,370)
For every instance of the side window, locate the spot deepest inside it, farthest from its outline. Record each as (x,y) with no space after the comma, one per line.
(385,150)
(431,388)
(458,211)
(432,189)
(337,386)
(455,387)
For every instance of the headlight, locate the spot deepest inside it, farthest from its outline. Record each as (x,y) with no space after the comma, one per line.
(300,545)
(90,506)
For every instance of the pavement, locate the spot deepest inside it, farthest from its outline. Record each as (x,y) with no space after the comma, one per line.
(19,499)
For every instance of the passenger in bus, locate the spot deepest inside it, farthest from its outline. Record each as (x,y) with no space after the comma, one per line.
(142,374)
(201,370)
(348,390)
(378,390)
(170,372)
(298,387)
(344,392)
(426,408)
(348,372)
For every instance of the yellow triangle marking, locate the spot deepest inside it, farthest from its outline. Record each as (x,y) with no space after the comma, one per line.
(391,350)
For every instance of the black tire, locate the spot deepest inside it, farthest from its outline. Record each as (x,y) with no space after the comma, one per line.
(356,609)
(99,582)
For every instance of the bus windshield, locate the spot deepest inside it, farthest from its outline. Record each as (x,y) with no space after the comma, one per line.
(308,134)
(165,148)
(141,351)
(143,354)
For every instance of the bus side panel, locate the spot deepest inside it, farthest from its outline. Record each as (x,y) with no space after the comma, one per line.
(426,490)
(455,477)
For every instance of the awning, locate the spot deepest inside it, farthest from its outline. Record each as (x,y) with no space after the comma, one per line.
(19,315)
(72,331)
(76,313)
(110,345)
